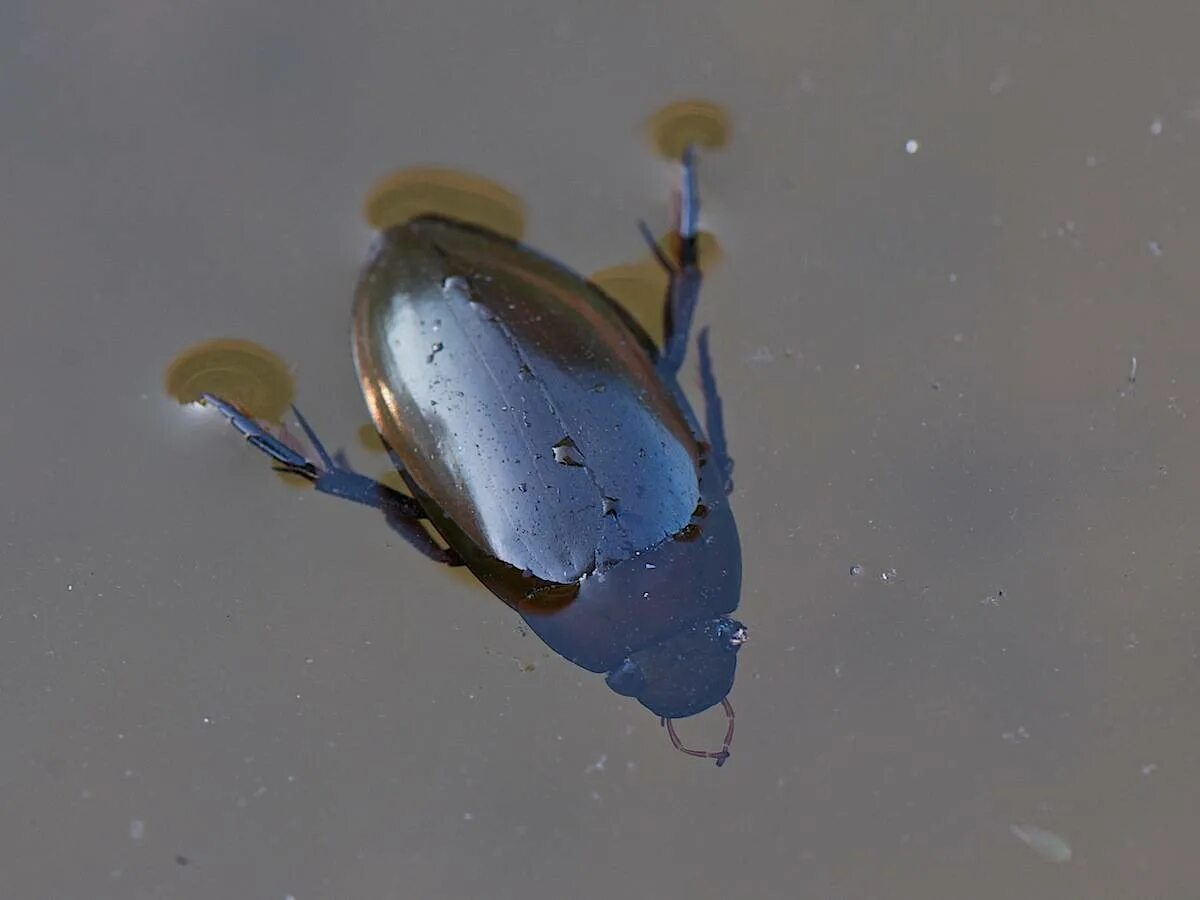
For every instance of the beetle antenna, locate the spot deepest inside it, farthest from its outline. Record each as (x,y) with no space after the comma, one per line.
(719,755)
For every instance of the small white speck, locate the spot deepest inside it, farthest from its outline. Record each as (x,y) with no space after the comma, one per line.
(289,897)
(1092,160)
(206,720)
(651,566)
(856,570)
(468,817)
(952,278)
(1156,127)
(889,575)
(137,829)
(1149,768)
(598,765)
(1155,248)
(912,146)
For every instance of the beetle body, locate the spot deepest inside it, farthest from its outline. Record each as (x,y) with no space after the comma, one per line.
(545,438)
(545,447)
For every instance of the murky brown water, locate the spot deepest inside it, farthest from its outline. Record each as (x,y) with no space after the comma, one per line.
(947,231)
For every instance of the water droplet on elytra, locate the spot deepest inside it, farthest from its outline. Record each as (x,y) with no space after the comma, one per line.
(567,454)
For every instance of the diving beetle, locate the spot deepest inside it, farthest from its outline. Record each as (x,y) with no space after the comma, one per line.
(545,438)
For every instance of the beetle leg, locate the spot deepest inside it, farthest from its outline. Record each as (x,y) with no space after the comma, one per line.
(655,249)
(714,420)
(289,460)
(683,288)
(335,477)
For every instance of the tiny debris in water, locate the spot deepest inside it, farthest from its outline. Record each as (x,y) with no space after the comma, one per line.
(1045,844)
(912,146)
(1156,126)
(434,351)
(856,570)
(598,765)
(1014,737)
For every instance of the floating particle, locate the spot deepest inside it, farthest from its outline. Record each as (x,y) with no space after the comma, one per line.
(1045,844)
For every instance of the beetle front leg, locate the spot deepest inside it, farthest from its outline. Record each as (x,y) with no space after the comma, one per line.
(683,288)
(333,476)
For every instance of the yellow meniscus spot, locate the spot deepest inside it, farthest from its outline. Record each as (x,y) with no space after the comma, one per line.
(242,372)
(409,193)
(698,122)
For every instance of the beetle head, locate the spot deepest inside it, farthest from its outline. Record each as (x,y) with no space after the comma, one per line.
(684,674)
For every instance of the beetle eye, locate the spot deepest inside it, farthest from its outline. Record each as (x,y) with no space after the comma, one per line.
(627,679)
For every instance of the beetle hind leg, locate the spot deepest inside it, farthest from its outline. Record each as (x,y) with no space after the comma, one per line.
(333,476)
(714,419)
(683,288)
